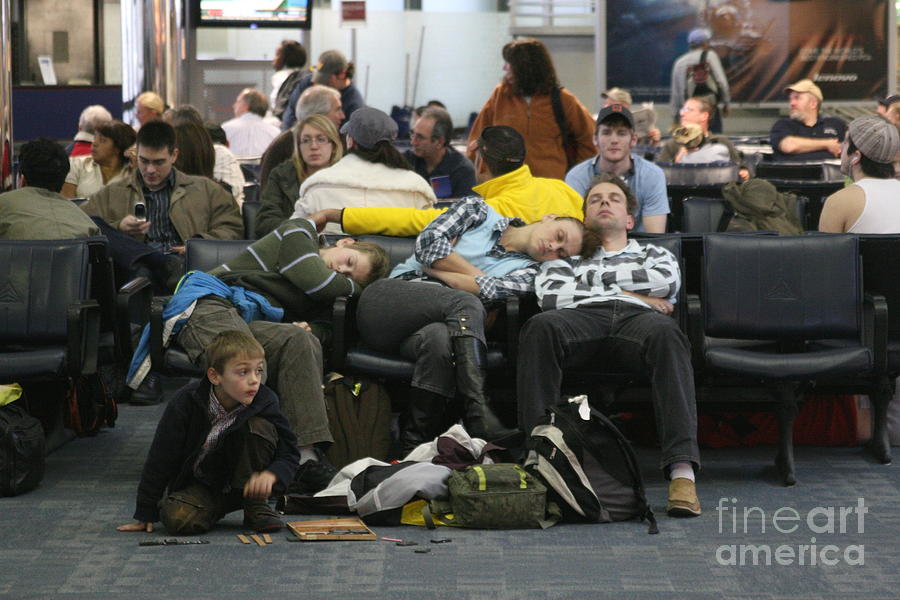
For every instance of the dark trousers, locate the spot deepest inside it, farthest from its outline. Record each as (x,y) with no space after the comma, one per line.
(219,487)
(557,339)
(132,258)
(293,362)
(417,320)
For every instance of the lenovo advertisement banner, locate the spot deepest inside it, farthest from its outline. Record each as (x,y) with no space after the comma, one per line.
(764,45)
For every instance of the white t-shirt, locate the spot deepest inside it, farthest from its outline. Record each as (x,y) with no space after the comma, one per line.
(881,213)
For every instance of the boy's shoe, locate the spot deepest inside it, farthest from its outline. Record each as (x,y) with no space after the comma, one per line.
(261,517)
(683,501)
(313,475)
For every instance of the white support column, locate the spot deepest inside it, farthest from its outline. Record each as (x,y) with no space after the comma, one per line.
(6,133)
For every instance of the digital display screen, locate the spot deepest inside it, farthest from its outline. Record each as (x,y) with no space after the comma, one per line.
(261,13)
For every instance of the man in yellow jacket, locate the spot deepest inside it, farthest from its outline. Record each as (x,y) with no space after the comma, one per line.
(505,183)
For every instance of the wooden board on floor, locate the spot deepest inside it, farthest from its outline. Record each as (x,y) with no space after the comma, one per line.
(332,530)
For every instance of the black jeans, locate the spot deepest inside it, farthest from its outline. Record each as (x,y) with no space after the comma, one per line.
(556,339)
(219,488)
(417,320)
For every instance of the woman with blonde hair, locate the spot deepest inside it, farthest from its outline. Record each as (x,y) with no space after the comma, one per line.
(317,145)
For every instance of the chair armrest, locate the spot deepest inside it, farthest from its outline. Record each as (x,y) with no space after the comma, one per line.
(695,331)
(343,328)
(157,306)
(83,337)
(875,330)
(518,310)
(132,300)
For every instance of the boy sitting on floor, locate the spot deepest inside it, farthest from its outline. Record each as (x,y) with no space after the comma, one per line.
(222,444)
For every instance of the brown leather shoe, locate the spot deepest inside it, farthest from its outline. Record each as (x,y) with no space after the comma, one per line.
(683,501)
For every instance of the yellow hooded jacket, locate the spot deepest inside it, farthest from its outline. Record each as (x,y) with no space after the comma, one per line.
(515,194)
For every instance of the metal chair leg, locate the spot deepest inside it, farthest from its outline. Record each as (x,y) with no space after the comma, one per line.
(786,414)
(881,397)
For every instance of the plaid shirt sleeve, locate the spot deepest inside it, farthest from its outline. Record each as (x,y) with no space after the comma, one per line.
(436,240)
(517,283)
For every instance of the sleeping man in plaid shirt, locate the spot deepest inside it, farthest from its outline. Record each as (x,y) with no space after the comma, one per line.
(616,303)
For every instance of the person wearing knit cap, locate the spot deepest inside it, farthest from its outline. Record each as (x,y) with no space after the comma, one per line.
(872,203)
(372,173)
(805,134)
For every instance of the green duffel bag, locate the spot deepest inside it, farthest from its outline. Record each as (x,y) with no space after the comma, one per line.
(499,496)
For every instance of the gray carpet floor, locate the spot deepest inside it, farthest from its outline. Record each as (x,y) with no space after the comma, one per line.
(59,541)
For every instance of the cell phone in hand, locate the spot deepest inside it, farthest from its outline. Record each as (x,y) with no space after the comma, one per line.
(140,211)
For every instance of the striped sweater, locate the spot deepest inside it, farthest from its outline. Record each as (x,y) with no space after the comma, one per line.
(285,267)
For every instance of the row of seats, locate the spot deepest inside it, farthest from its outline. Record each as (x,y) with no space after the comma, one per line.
(781,314)
(778,314)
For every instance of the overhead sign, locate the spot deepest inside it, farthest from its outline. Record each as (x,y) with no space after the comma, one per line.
(353,13)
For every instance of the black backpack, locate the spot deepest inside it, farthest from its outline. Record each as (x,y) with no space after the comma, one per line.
(21,451)
(700,79)
(588,466)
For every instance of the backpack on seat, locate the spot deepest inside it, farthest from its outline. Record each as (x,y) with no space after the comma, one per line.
(588,466)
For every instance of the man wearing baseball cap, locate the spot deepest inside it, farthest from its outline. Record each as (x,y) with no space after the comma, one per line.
(889,108)
(617,95)
(805,134)
(333,70)
(614,136)
(872,203)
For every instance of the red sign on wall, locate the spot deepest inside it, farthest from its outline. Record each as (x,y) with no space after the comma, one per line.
(353,11)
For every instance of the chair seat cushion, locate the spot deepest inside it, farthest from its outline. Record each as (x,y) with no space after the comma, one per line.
(803,365)
(392,366)
(24,364)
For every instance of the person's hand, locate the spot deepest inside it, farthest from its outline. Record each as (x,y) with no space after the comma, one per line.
(325,216)
(834,147)
(744,173)
(177,250)
(131,226)
(660,305)
(260,485)
(302,325)
(682,152)
(654,134)
(136,526)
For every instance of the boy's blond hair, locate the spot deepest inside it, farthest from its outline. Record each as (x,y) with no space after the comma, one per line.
(229,345)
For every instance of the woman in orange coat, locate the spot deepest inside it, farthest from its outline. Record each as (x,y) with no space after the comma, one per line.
(523,101)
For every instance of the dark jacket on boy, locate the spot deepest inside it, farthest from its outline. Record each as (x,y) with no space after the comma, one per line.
(180,435)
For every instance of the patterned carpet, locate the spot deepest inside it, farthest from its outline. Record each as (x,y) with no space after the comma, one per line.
(60,541)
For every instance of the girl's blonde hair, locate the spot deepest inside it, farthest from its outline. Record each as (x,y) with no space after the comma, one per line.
(324,124)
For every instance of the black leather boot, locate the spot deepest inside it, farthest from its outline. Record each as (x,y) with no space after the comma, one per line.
(423,419)
(480,421)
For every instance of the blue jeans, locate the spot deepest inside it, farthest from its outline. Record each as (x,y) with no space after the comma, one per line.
(554,340)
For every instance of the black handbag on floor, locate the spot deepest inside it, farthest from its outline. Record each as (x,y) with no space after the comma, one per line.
(21,451)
